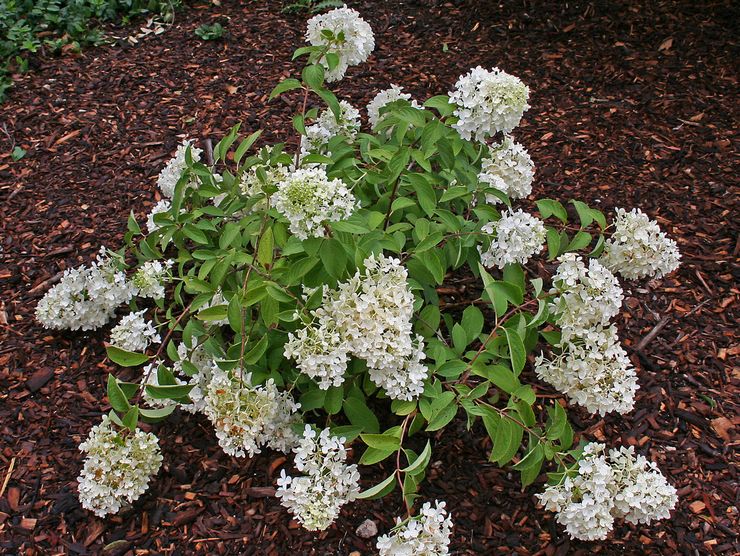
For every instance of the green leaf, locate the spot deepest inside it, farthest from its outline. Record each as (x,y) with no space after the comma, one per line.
(265,248)
(584,213)
(459,338)
(116,397)
(154,415)
(170,392)
(257,351)
(285,85)
(131,419)
(472,322)
(442,418)
(125,358)
(381,441)
(442,104)
(500,375)
(553,243)
(334,258)
(421,461)
(313,76)
(359,414)
(196,234)
(516,350)
(580,241)
(217,312)
(551,207)
(506,442)
(379,490)
(348,432)
(373,456)
(244,146)
(333,400)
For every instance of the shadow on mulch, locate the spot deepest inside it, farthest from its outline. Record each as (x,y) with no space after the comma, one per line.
(631,106)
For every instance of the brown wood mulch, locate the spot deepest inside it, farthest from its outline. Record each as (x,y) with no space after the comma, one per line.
(631,106)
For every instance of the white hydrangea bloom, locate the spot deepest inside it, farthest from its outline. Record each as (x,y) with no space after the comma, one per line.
(584,502)
(605,488)
(251,185)
(118,467)
(352,39)
(86,297)
(328,126)
(488,102)
(585,297)
(593,371)
(309,199)
(638,248)
(516,237)
(508,168)
(162,206)
(134,333)
(383,98)
(643,494)
(369,317)
(427,534)
(316,497)
(320,352)
(199,379)
(172,172)
(150,278)
(248,417)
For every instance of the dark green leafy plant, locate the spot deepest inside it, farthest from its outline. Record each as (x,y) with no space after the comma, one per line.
(312,6)
(29,27)
(211,32)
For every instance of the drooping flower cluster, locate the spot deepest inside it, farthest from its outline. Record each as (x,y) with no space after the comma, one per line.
(383,98)
(134,333)
(346,35)
(515,238)
(316,497)
(309,199)
(369,317)
(328,126)
(427,534)
(86,298)
(260,179)
(488,102)
(585,296)
(593,371)
(172,172)
(508,168)
(150,278)
(638,248)
(248,417)
(118,467)
(609,487)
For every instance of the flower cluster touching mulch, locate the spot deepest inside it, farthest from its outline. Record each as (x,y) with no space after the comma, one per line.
(632,106)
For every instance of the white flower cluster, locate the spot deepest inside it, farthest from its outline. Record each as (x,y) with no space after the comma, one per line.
(248,417)
(117,468)
(86,297)
(427,534)
(369,317)
(352,39)
(516,236)
(309,199)
(134,333)
(200,380)
(508,168)
(251,185)
(383,98)
(593,371)
(638,248)
(172,172)
(316,497)
(328,126)
(608,487)
(585,296)
(150,278)
(488,102)
(162,206)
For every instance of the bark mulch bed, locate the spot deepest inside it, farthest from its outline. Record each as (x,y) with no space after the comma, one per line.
(632,106)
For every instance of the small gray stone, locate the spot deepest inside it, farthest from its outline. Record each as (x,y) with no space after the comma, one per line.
(367,529)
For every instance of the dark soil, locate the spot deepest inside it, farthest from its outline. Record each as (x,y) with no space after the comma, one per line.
(632,106)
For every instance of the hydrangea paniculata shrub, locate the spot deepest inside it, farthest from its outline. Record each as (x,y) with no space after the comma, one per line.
(285,291)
